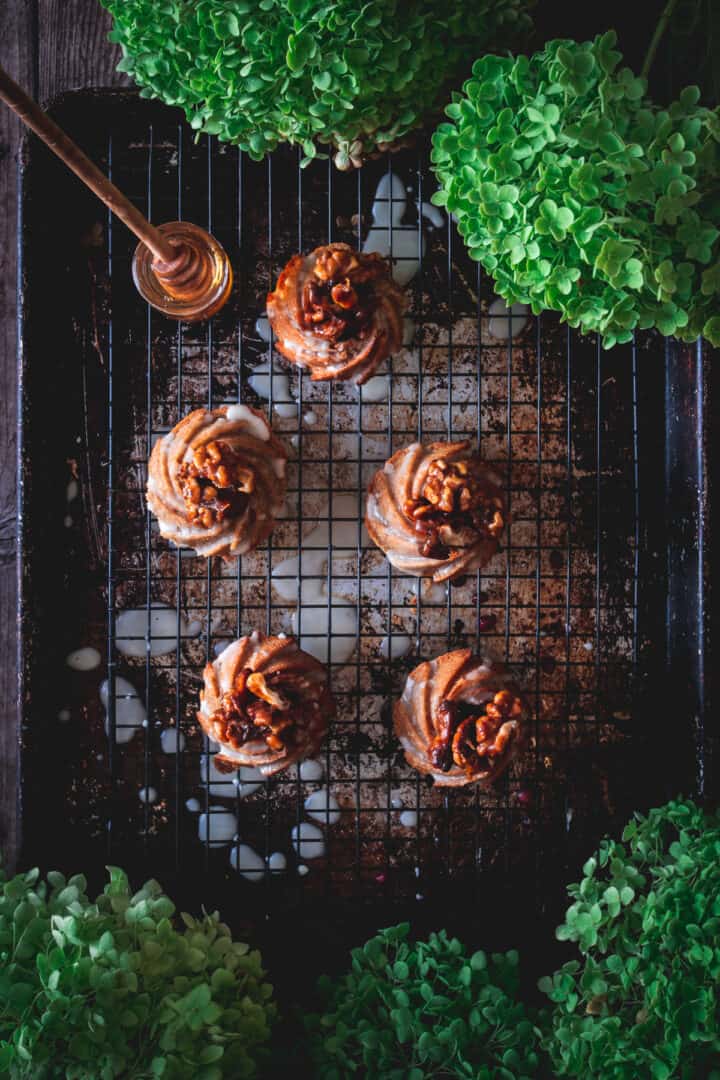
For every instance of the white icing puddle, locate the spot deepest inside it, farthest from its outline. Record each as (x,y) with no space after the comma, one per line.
(502,319)
(432,592)
(269,379)
(130,712)
(249,779)
(325,624)
(147,795)
(223,785)
(408,819)
(277,862)
(134,637)
(323,807)
(310,418)
(217,827)
(303,870)
(172,741)
(395,646)
(84,659)
(388,236)
(247,862)
(308,840)
(311,770)
(329,632)
(433,214)
(375,389)
(193,805)
(220,784)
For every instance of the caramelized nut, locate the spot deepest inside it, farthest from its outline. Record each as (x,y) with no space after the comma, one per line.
(344,295)
(503,699)
(257,685)
(244,480)
(455,494)
(468,739)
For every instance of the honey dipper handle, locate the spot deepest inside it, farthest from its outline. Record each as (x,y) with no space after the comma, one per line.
(55,138)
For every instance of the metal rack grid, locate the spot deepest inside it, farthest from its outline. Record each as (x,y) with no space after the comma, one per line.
(563,603)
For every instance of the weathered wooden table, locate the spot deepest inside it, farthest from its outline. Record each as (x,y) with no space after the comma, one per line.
(48,46)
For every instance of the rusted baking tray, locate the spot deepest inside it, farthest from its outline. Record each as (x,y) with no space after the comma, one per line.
(596,600)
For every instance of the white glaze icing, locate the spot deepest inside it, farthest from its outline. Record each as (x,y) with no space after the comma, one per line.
(375,389)
(247,862)
(269,380)
(172,741)
(133,637)
(322,806)
(388,236)
(83,659)
(395,647)
(130,714)
(256,425)
(217,827)
(308,840)
(320,615)
(498,323)
(311,770)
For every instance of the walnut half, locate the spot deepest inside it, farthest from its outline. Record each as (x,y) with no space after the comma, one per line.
(257,685)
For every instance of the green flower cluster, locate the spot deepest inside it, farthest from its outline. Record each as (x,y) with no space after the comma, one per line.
(580,196)
(91,990)
(645,999)
(409,1010)
(354,76)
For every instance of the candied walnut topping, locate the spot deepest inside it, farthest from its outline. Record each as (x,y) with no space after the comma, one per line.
(337,301)
(471,735)
(456,499)
(215,485)
(264,707)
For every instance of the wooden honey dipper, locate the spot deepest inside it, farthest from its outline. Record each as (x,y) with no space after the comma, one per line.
(179,268)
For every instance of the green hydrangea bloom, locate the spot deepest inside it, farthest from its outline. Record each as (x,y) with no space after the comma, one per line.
(113,988)
(643,999)
(580,196)
(423,1009)
(354,76)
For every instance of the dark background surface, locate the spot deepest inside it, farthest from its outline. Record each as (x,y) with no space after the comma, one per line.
(48,46)
(53,45)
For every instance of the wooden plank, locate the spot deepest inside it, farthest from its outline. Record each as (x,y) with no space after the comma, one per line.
(50,46)
(73,47)
(16,34)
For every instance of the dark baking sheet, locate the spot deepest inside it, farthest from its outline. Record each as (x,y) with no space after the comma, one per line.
(598,600)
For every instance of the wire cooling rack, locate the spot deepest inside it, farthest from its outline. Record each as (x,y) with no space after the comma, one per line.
(574,603)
